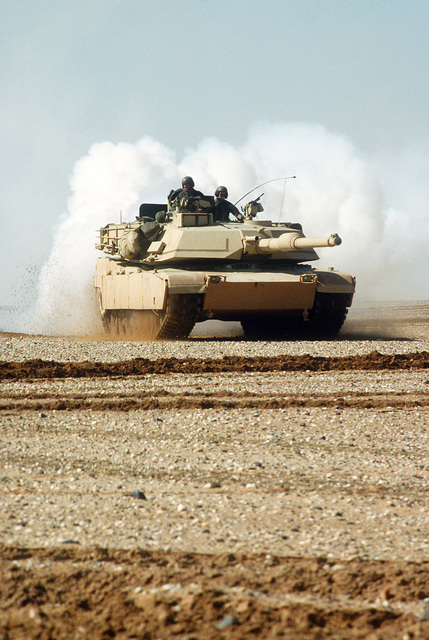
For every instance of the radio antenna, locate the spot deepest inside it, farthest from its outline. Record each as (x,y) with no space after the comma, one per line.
(261,185)
(283,197)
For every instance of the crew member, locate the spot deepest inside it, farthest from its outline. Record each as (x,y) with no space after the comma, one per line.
(187,190)
(223,207)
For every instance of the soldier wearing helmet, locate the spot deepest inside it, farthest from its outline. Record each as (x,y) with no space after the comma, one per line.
(223,207)
(187,190)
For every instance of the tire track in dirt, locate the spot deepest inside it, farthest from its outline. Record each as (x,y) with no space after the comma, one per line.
(373,361)
(186,401)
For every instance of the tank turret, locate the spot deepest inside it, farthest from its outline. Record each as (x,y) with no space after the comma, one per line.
(178,264)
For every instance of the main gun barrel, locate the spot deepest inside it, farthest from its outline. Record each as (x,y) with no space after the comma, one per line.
(295,242)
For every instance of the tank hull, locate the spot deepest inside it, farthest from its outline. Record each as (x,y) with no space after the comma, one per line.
(281,301)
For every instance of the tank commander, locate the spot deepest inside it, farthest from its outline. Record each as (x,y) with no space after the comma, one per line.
(223,207)
(187,191)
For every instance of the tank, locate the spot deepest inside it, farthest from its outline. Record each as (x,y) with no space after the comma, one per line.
(177,265)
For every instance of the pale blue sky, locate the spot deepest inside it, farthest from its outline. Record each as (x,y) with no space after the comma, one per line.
(77,72)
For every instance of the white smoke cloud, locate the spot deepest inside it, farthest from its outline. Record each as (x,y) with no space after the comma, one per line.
(384,227)
(405,181)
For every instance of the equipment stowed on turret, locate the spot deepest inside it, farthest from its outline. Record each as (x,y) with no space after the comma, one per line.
(175,266)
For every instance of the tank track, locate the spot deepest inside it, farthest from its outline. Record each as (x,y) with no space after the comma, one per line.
(176,321)
(324,321)
(327,316)
(180,316)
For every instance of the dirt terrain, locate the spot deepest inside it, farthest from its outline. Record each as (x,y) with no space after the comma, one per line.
(232,490)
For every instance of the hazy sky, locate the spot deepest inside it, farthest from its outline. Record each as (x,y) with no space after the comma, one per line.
(77,72)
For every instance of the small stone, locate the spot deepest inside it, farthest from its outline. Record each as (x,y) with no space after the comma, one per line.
(138,494)
(212,485)
(228,621)
(425,615)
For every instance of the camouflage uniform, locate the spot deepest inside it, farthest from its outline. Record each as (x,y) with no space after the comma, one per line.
(184,194)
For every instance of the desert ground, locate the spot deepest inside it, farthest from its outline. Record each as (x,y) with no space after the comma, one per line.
(217,487)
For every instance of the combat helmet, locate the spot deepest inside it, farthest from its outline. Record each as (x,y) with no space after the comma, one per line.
(188,180)
(221,189)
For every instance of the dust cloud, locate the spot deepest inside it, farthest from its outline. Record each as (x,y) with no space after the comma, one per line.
(376,205)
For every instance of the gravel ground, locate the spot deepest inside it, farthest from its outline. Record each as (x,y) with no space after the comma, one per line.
(300,480)
(342,483)
(312,481)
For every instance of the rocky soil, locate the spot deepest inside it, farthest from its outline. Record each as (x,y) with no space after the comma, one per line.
(216,487)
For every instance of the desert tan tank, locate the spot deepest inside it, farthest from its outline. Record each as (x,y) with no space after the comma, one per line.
(172,268)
